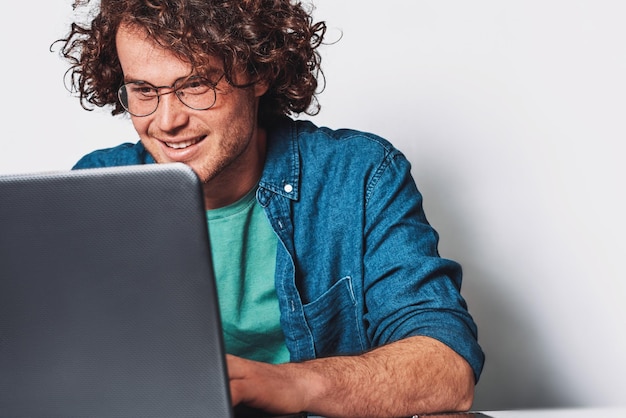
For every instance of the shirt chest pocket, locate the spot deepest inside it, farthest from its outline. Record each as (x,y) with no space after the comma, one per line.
(333,321)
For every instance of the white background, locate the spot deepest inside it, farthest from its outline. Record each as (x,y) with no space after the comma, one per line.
(512,113)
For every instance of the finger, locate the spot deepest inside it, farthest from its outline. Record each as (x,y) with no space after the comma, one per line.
(235,392)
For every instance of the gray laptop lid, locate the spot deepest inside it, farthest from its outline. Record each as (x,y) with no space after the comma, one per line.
(108,306)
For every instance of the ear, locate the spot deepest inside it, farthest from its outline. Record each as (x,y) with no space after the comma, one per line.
(260,88)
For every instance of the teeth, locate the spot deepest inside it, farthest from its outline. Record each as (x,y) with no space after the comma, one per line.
(181,145)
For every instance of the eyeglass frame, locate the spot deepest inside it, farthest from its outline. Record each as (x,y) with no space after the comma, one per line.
(212,86)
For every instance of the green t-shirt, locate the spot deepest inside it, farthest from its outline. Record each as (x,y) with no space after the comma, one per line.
(244,257)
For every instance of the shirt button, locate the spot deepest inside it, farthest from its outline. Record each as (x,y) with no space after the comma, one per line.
(288,188)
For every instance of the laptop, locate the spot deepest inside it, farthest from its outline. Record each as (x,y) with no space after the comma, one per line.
(108,306)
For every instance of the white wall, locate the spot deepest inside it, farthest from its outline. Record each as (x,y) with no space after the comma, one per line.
(513,115)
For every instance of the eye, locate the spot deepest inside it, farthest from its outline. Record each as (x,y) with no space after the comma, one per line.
(194,86)
(141,90)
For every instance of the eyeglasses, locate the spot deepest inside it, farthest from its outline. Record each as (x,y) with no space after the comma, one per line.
(141,98)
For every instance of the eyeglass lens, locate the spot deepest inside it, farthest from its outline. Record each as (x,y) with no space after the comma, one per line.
(142,99)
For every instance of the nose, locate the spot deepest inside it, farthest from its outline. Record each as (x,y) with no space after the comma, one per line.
(171,114)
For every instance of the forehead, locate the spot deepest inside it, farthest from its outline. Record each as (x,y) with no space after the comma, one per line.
(142,58)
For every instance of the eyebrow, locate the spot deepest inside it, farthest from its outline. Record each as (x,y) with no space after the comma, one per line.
(209,75)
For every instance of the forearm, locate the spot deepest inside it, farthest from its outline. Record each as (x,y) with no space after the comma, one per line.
(416,375)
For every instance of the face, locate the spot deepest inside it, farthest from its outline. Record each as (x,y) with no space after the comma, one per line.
(222,144)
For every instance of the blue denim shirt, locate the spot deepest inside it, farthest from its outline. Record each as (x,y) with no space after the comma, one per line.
(357,265)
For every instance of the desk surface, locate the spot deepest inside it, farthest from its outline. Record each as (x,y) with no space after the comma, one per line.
(609,412)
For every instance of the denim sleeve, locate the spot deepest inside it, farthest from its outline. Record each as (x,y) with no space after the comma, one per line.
(123,154)
(409,289)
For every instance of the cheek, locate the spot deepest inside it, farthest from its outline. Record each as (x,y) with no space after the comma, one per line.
(140,125)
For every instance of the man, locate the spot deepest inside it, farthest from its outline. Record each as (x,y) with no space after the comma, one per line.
(341,305)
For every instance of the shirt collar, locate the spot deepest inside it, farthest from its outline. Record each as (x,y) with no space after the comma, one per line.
(281,174)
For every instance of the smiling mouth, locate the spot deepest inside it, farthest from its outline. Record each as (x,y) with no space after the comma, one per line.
(183,144)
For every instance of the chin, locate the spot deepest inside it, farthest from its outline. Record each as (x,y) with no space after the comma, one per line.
(204,175)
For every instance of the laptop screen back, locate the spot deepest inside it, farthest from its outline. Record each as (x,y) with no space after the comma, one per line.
(108,305)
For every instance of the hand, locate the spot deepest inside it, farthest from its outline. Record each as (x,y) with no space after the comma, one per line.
(278,389)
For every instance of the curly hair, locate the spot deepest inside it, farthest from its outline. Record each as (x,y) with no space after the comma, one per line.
(274,41)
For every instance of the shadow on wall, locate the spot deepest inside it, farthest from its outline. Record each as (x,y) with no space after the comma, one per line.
(517,374)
